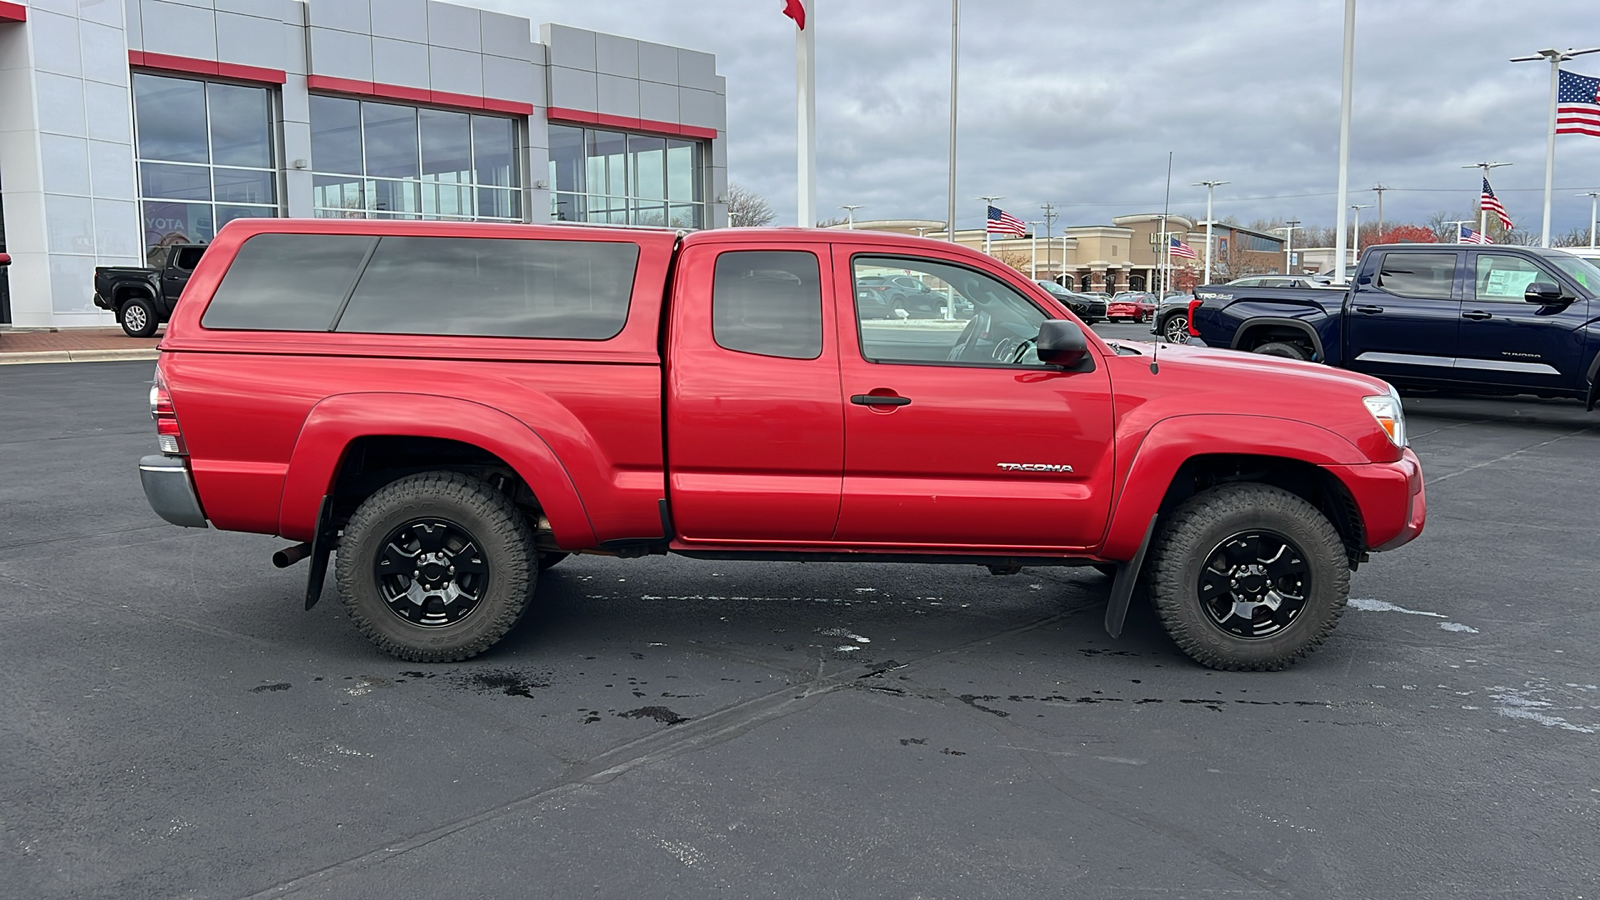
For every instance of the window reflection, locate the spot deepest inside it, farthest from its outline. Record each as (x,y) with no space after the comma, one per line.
(199,144)
(385,160)
(619,178)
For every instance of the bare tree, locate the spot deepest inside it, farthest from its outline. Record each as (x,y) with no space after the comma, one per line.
(747,209)
(1020,260)
(829,223)
(1443,225)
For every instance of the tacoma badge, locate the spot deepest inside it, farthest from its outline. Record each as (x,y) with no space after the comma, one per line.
(1035,467)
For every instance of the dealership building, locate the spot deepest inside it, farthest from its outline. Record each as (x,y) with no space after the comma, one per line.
(127,126)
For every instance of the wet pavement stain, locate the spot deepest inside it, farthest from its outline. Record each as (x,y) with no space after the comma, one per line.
(512,684)
(948,752)
(265,688)
(906,742)
(659,713)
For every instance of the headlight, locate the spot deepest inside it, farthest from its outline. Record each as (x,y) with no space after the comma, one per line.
(1390,414)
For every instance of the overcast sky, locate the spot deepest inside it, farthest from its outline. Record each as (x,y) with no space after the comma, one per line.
(1078,103)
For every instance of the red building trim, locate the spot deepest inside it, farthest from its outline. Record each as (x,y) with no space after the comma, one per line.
(184,64)
(13,12)
(330,85)
(628,123)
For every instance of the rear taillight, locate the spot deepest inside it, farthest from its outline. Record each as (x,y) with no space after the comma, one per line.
(169,437)
(1193,305)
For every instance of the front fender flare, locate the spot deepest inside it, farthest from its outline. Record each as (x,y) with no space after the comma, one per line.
(335,422)
(1173,441)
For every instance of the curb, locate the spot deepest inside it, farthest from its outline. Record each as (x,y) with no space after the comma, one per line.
(68,356)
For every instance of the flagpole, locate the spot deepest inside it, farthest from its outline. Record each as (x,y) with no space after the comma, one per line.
(1556,57)
(805,75)
(955,47)
(987,202)
(1344,139)
(1483,214)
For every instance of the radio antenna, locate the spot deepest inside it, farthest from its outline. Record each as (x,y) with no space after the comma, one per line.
(1166,256)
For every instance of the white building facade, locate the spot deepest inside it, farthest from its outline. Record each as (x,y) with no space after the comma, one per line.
(129,125)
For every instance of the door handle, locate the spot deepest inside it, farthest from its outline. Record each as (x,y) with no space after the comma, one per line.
(1369,309)
(1476,315)
(879,400)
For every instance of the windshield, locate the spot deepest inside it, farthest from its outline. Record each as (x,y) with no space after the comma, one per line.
(1580,270)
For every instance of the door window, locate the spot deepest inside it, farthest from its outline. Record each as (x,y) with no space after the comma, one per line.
(1506,277)
(960,316)
(768,302)
(188,258)
(1427,276)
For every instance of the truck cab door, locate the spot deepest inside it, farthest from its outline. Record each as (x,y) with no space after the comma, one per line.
(957,437)
(755,428)
(1509,342)
(1402,321)
(175,276)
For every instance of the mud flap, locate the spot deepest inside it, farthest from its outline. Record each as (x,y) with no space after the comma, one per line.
(322,545)
(1122,587)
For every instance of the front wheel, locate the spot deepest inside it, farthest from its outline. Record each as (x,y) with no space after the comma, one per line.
(1248,577)
(138,318)
(1176,329)
(436,567)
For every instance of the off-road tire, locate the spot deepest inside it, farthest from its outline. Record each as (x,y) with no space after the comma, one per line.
(468,503)
(1203,523)
(138,317)
(1284,349)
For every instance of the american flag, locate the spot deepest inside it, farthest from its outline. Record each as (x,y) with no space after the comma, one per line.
(1578,105)
(1179,248)
(1488,201)
(1002,222)
(1468,236)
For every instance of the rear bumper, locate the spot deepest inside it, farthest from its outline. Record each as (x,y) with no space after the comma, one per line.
(1391,497)
(169,488)
(102,302)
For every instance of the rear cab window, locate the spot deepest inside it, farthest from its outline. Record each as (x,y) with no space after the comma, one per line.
(768,302)
(1427,276)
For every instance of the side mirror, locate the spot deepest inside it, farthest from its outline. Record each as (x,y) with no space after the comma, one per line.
(1061,343)
(1542,292)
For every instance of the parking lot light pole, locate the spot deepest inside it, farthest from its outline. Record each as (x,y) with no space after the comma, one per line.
(1458,223)
(1210,186)
(1033,250)
(1556,57)
(1593,209)
(1483,214)
(1344,138)
(987,202)
(1355,236)
(1288,229)
(850,214)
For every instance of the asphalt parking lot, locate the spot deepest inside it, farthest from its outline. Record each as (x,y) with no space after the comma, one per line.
(174,725)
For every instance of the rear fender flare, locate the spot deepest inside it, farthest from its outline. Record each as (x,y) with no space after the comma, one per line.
(1254,322)
(1174,441)
(335,422)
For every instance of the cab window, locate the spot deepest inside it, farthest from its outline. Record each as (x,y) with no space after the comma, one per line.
(768,302)
(1427,276)
(1501,277)
(965,317)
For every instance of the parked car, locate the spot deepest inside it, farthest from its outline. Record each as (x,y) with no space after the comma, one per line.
(445,409)
(1493,318)
(904,292)
(1171,319)
(1132,306)
(143,298)
(1089,309)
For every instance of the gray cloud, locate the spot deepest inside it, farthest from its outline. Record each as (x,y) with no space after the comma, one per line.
(1078,104)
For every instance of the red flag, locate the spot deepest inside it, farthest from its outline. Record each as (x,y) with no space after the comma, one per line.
(795,10)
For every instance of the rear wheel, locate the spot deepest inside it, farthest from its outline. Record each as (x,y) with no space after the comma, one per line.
(1283,349)
(138,317)
(436,567)
(1248,577)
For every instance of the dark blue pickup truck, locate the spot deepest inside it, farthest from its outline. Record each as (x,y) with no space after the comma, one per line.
(1497,319)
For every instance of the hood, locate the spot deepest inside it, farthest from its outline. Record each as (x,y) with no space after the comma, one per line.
(1204,380)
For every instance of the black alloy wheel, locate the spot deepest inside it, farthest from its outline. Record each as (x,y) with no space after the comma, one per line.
(1254,584)
(431,572)
(1176,329)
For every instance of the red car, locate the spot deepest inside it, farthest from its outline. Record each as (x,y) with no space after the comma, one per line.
(448,409)
(1131,306)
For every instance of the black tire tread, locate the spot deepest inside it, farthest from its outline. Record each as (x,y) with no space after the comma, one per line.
(1278,348)
(519,570)
(1178,541)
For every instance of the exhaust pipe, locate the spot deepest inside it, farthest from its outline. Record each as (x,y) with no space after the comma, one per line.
(288,556)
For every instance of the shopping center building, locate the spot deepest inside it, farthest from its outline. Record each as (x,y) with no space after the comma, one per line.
(129,125)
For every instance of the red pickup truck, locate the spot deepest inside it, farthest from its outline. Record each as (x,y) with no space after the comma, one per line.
(448,409)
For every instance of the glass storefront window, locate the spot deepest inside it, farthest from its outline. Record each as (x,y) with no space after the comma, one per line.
(388,161)
(205,157)
(619,178)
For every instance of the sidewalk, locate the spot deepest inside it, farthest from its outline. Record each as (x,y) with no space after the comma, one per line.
(74,345)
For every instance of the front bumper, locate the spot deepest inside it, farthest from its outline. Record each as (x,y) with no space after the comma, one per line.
(170,490)
(1391,498)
